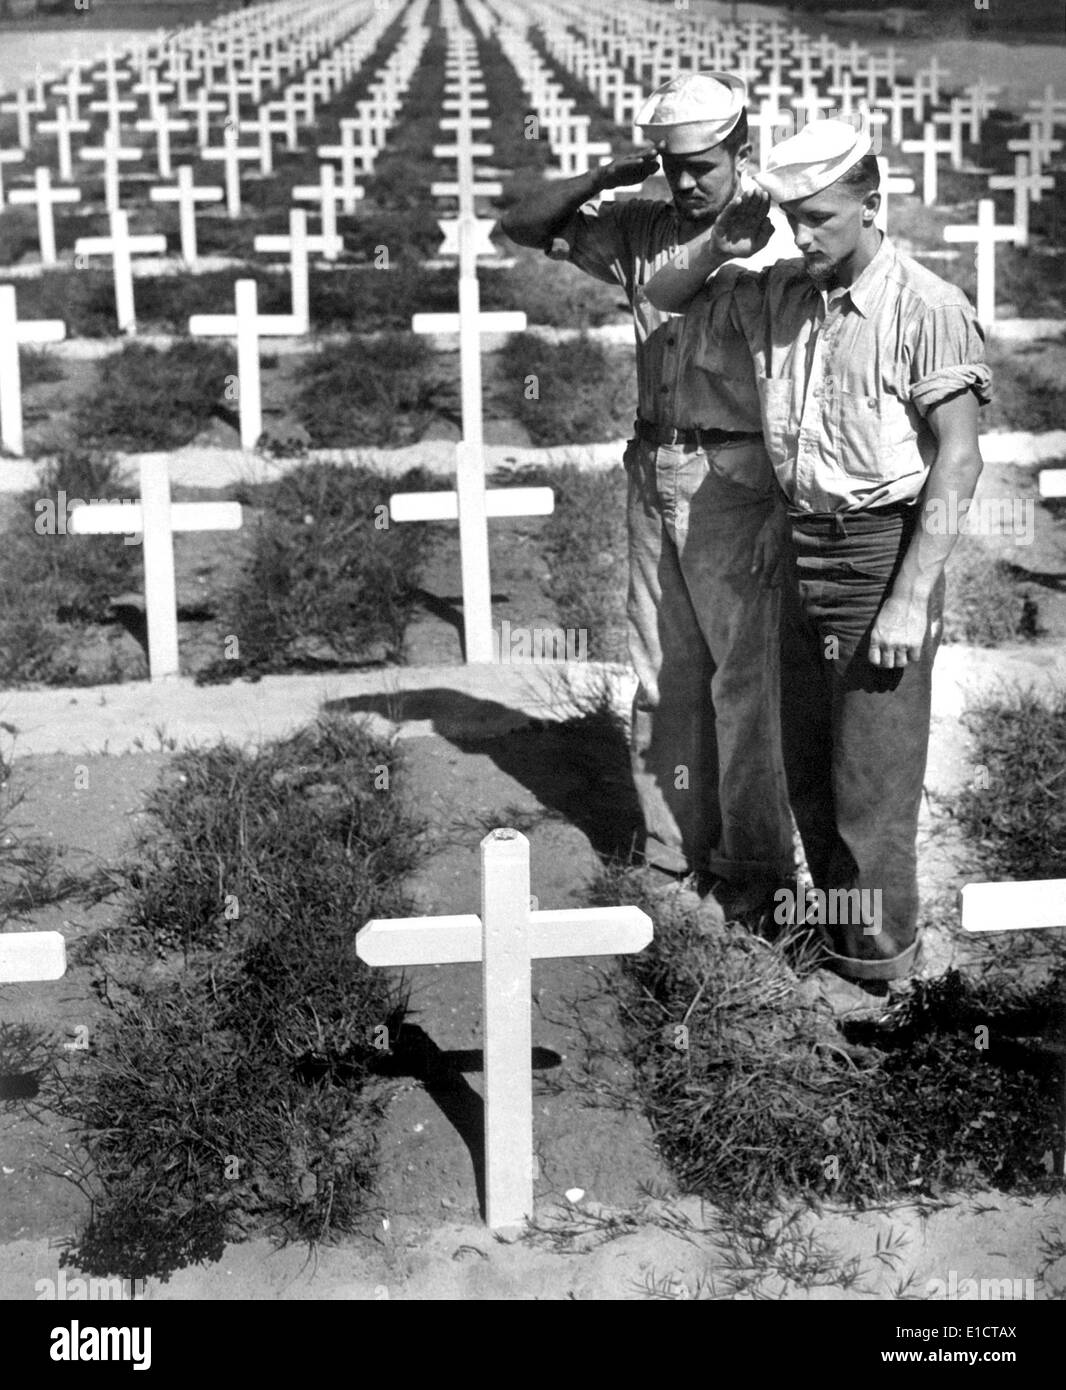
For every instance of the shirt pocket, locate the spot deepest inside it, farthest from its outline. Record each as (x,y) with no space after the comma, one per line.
(775,401)
(877,440)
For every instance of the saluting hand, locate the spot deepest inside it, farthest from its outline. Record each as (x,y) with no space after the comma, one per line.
(743,226)
(629,169)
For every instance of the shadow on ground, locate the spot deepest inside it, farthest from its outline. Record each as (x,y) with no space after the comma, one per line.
(578,767)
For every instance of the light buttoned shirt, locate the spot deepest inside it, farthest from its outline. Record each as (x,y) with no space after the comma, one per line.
(846,378)
(625,243)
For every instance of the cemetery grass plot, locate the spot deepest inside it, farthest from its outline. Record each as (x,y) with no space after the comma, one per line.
(182,963)
(749,1033)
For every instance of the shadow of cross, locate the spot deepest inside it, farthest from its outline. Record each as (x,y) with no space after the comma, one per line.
(25,957)
(505,939)
(417,1056)
(1030,905)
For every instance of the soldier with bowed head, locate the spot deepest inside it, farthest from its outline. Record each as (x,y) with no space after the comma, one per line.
(706,751)
(870,372)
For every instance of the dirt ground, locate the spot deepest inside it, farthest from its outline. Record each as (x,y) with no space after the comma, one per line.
(610,1223)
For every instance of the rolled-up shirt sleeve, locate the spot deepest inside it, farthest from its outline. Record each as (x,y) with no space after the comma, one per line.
(948,357)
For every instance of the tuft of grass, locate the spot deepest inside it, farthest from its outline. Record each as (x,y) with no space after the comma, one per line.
(359,394)
(588,583)
(1019,818)
(38,366)
(751,1092)
(551,292)
(54,582)
(984,604)
(231,1091)
(147,398)
(1027,387)
(329,580)
(576,392)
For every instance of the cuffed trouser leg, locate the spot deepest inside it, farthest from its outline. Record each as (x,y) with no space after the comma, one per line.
(707,755)
(856,740)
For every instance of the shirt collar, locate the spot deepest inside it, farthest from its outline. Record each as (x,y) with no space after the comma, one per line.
(861,288)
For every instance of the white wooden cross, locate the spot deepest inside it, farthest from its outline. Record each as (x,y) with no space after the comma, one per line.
(202,108)
(160,125)
(114,106)
(299,246)
(985,234)
(9,157)
(900,99)
(12,333)
(471,496)
(764,125)
(112,154)
(231,154)
(890,183)
(186,194)
(954,118)
(263,127)
(1026,186)
(1039,146)
(63,127)
(928,79)
(155,89)
(846,92)
(247,325)
(773,89)
(808,106)
(22,106)
(979,100)
(1047,113)
(505,939)
(288,117)
(121,247)
(574,149)
(328,194)
(351,152)
(44,195)
(72,88)
(155,519)
(1032,905)
(26,956)
(928,147)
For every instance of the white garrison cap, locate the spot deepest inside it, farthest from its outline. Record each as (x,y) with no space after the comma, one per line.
(692,112)
(811,160)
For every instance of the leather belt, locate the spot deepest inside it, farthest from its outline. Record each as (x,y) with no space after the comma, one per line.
(692,438)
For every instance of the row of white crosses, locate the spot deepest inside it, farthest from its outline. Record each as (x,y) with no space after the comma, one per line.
(471,502)
(1028,183)
(812,64)
(564,23)
(112,153)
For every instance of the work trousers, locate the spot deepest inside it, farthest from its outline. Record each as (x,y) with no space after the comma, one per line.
(703,638)
(855,737)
